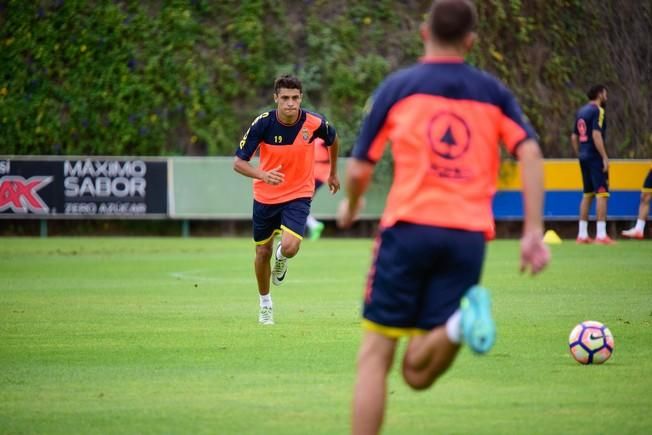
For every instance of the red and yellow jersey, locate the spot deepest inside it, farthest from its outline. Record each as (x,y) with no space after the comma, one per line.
(444,120)
(322,161)
(289,146)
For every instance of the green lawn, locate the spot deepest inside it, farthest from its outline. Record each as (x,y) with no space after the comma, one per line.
(144,335)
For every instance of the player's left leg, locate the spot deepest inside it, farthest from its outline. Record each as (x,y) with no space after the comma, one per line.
(293,225)
(370,394)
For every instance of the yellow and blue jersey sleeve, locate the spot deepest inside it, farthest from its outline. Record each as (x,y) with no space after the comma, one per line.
(253,136)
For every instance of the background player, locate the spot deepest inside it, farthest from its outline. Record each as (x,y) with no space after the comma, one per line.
(588,137)
(638,231)
(444,119)
(322,171)
(283,181)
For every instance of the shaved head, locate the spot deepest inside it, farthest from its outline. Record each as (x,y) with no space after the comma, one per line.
(451,20)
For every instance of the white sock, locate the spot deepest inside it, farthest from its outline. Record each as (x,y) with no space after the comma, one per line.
(454,328)
(601,228)
(266,300)
(279,254)
(311,221)
(640,225)
(584,230)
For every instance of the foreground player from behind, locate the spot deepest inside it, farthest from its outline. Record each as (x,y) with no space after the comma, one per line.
(444,119)
(322,171)
(283,181)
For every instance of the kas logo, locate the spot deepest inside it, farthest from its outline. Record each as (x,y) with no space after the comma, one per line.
(20,195)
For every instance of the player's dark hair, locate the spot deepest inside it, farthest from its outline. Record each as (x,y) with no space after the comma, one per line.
(287,81)
(595,91)
(451,20)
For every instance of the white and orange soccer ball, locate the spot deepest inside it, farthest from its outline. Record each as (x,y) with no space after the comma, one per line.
(591,342)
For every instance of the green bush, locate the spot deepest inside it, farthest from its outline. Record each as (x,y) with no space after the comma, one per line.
(187,77)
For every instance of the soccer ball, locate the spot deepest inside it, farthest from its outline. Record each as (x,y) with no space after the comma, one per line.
(591,342)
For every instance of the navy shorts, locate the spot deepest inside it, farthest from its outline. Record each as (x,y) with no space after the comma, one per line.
(271,219)
(595,180)
(418,277)
(647,184)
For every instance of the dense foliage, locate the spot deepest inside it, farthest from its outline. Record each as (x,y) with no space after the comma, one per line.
(187,77)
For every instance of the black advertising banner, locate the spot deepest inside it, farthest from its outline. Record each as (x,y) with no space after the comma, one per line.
(83,187)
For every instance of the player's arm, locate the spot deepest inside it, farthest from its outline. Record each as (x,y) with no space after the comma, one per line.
(248,146)
(275,176)
(534,253)
(358,177)
(599,145)
(575,143)
(333,180)
(597,123)
(367,151)
(519,138)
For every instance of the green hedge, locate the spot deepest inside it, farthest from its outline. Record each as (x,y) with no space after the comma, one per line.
(187,77)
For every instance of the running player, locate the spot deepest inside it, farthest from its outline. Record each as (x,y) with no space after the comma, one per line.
(283,181)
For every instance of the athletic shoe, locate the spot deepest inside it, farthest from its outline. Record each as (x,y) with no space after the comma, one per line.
(632,233)
(606,240)
(280,269)
(315,232)
(584,241)
(478,327)
(266,316)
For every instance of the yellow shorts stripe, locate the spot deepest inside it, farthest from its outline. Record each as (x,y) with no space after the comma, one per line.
(284,228)
(391,331)
(589,195)
(274,233)
(602,195)
(646,190)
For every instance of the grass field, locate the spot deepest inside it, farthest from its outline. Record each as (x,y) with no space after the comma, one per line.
(145,335)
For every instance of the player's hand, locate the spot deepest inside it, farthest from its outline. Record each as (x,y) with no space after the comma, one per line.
(535,254)
(605,165)
(333,184)
(275,176)
(345,216)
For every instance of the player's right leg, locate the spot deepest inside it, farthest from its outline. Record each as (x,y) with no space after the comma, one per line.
(315,228)
(263,271)
(266,224)
(374,361)
(583,230)
(450,309)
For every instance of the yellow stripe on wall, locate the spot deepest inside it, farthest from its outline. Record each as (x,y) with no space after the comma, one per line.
(565,175)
